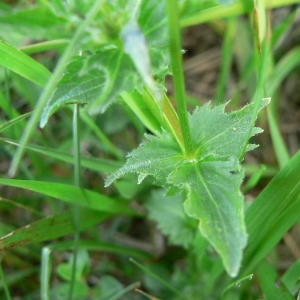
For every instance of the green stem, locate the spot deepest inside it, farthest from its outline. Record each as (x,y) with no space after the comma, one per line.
(76,143)
(70,50)
(159,279)
(44,46)
(175,52)
(227,54)
(45,273)
(4,283)
(77,182)
(260,90)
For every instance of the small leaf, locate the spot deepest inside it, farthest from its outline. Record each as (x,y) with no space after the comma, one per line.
(97,80)
(219,133)
(108,287)
(136,47)
(171,219)
(157,157)
(82,263)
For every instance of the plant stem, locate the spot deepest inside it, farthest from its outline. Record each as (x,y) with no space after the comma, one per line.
(77,182)
(45,273)
(70,50)
(4,283)
(44,46)
(153,275)
(175,52)
(227,53)
(76,143)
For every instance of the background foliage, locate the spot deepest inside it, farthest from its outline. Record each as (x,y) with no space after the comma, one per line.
(93,75)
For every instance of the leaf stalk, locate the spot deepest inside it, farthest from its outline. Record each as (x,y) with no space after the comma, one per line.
(179,87)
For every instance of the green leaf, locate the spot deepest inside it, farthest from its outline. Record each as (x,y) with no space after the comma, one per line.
(108,286)
(136,47)
(22,64)
(273,213)
(82,263)
(210,178)
(268,278)
(222,134)
(292,275)
(72,194)
(215,200)
(96,79)
(35,22)
(100,78)
(171,219)
(157,157)
(153,23)
(50,228)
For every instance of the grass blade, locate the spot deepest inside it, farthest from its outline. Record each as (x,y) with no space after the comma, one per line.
(22,64)
(236,9)
(291,276)
(14,121)
(4,283)
(49,228)
(268,277)
(281,151)
(74,195)
(226,61)
(44,46)
(164,283)
(273,212)
(96,245)
(91,163)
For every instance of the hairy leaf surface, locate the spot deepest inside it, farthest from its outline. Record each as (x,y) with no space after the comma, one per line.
(214,198)
(171,219)
(210,178)
(99,78)
(113,66)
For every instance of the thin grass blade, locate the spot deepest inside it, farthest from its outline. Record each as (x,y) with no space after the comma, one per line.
(74,195)
(49,228)
(22,64)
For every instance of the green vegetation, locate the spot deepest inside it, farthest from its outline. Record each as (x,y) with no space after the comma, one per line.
(111,186)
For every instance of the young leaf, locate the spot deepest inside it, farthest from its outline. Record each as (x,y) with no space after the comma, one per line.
(171,219)
(210,178)
(218,133)
(100,78)
(136,47)
(158,157)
